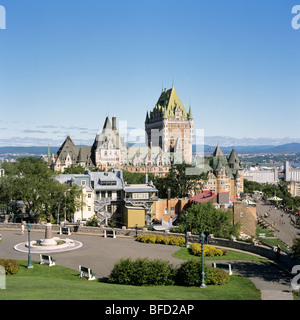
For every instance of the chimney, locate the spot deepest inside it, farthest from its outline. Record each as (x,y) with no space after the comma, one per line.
(114,124)
(168,201)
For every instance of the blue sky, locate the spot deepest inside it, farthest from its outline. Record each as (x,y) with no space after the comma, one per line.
(66,65)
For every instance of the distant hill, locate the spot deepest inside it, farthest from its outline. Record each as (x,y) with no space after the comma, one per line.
(27,150)
(285,148)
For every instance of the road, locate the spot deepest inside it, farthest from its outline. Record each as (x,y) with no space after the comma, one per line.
(287,232)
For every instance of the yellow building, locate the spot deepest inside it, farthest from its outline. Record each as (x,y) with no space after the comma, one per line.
(139,207)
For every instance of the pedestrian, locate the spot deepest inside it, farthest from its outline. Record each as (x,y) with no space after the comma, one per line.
(206,234)
(278,251)
(22,228)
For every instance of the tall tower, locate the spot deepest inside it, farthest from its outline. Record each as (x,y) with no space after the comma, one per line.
(170,127)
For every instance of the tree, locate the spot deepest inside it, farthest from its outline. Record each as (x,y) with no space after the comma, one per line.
(205,215)
(30,180)
(180,181)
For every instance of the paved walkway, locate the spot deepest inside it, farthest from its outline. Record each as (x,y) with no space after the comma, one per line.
(101,254)
(287,232)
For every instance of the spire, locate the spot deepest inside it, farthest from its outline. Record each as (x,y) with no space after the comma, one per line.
(107,124)
(147,117)
(48,151)
(190,115)
(218,152)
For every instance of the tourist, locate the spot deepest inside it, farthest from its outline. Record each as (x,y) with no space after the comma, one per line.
(206,234)
(22,228)
(278,251)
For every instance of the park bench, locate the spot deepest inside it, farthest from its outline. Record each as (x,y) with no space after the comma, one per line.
(261,235)
(47,259)
(65,230)
(224,266)
(106,233)
(86,272)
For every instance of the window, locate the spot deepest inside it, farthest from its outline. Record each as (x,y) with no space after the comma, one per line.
(83,183)
(89,195)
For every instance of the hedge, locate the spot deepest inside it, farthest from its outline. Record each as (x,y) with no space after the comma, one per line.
(208,251)
(10,266)
(168,240)
(143,272)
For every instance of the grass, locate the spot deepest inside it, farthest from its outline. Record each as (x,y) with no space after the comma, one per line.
(186,253)
(60,283)
(271,242)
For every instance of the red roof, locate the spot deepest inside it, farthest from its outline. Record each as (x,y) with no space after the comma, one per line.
(204,196)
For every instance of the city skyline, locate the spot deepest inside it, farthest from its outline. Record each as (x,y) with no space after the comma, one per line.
(67,66)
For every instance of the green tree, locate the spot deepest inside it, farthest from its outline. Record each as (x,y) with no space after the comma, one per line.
(180,181)
(205,215)
(30,180)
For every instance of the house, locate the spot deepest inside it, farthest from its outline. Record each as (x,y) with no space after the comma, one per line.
(106,196)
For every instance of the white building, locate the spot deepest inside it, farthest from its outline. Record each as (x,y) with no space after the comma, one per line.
(262,174)
(290,173)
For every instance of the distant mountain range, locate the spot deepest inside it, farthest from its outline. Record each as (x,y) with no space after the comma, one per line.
(284,148)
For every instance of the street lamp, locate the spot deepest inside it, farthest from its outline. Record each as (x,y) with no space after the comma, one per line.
(29,266)
(186,238)
(202,257)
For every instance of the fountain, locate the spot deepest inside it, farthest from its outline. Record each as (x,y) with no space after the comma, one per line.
(49,243)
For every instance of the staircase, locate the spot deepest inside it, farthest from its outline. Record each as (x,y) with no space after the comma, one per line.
(99,207)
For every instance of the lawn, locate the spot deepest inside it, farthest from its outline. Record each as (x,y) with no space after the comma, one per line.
(186,253)
(60,283)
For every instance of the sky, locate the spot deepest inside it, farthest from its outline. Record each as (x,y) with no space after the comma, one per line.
(67,65)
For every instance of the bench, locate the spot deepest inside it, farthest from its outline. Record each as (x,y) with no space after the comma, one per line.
(261,235)
(65,230)
(113,234)
(47,259)
(87,272)
(224,266)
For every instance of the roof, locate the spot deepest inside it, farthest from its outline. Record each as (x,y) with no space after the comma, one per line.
(167,105)
(218,152)
(204,196)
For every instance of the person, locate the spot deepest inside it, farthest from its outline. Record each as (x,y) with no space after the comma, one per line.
(22,228)
(278,250)
(206,234)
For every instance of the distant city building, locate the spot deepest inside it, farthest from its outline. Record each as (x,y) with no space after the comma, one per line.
(290,173)
(262,174)
(294,188)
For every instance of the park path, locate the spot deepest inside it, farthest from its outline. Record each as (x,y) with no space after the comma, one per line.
(100,254)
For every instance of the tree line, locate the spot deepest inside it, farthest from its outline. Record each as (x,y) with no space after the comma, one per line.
(31,186)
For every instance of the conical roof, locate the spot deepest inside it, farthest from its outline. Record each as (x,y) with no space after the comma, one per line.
(107,124)
(218,152)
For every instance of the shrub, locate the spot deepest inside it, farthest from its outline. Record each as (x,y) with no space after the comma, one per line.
(190,273)
(143,271)
(208,251)
(11,266)
(218,277)
(122,272)
(152,238)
